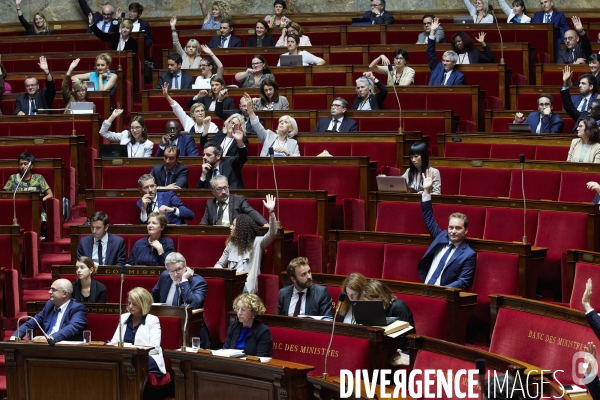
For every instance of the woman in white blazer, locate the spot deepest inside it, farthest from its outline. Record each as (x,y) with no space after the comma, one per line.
(142,329)
(516,14)
(136,138)
(585,148)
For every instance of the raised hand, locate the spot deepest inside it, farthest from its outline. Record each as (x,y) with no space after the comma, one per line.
(577,23)
(116,112)
(173,22)
(434,25)
(590,357)
(165,89)
(18,2)
(157,245)
(428,181)
(222,94)
(519,118)
(74,64)
(593,186)
(238,135)
(207,50)
(206,121)
(567,73)
(119,11)
(205,168)
(546,111)
(369,75)
(43,64)
(202,93)
(91,18)
(384,60)
(281,150)
(269,203)
(587,296)
(481,38)
(249,103)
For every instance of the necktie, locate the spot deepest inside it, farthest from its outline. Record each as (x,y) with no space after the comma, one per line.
(584,106)
(53,320)
(223,41)
(100,258)
(444,78)
(441,265)
(335,125)
(150,208)
(105,26)
(168,180)
(32,107)
(215,171)
(298,304)
(548,18)
(220,213)
(175,83)
(176,296)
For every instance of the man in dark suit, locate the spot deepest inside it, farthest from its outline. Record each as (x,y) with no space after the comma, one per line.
(230,167)
(139,25)
(584,104)
(175,77)
(62,318)
(449,261)
(172,174)
(165,202)
(104,21)
(178,285)
(27,103)
(378,15)
(185,144)
(303,297)
(225,39)
(575,51)
(102,247)
(550,16)
(224,114)
(338,121)
(443,73)
(225,207)
(543,120)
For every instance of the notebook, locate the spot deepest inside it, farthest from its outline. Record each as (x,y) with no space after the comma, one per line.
(113,151)
(370,313)
(201,84)
(290,60)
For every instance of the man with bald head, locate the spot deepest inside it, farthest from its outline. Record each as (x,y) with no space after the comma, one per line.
(105,20)
(577,45)
(62,317)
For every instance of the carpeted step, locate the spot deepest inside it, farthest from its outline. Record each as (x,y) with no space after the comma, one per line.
(39,282)
(10,324)
(59,246)
(54,259)
(72,222)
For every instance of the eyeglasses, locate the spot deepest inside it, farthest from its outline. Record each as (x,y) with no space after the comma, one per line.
(171,129)
(204,65)
(242,309)
(337,105)
(222,188)
(544,104)
(136,128)
(175,271)
(255,64)
(399,59)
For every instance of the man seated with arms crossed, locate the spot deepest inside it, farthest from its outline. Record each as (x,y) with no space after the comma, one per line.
(165,202)
(443,73)
(543,120)
(440,36)
(62,318)
(178,285)
(102,247)
(303,297)
(338,122)
(225,207)
(172,174)
(173,135)
(449,261)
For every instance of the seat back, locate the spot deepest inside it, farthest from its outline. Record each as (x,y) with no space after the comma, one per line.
(399,218)
(429,314)
(400,262)
(365,258)
(506,225)
(583,272)
(539,185)
(495,273)
(484,182)
(573,187)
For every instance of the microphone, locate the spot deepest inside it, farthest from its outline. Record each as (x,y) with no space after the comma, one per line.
(59,109)
(522,161)
(123,272)
(390,72)
(272,155)
(51,341)
(341,299)
(491,9)
(480,365)
(15,221)
(183,349)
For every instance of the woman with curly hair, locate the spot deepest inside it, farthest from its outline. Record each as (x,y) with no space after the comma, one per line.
(244,248)
(269,97)
(220,11)
(40,25)
(248,334)
(353,285)
(463,45)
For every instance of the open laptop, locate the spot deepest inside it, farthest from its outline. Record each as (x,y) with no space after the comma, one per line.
(290,60)
(370,313)
(90,86)
(392,184)
(361,21)
(519,128)
(82,107)
(463,20)
(113,151)
(201,84)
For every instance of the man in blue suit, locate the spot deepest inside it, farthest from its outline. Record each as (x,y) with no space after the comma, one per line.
(443,73)
(550,15)
(543,120)
(102,247)
(225,39)
(338,122)
(186,144)
(62,318)
(449,261)
(175,77)
(164,202)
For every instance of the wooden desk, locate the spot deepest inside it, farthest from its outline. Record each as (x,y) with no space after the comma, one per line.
(33,371)
(212,377)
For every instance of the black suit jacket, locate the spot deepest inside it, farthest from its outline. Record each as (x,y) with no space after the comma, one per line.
(145,27)
(180,175)
(583,49)
(230,167)
(43,99)
(477,56)
(238,204)
(97,292)
(347,125)
(185,81)
(268,41)
(219,137)
(571,109)
(215,42)
(114,27)
(318,301)
(376,100)
(226,104)
(258,342)
(384,18)
(115,249)
(113,38)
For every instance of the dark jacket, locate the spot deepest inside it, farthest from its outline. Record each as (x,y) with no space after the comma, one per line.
(583,49)
(113,38)
(258,342)
(318,301)
(185,80)
(550,124)
(144,254)
(186,144)
(43,99)
(72,325)
(375,100)
(384,18)
(180,175)
(347,125)
(437,69)
(114,26)
(477,56)
(218,137)
(29,29)
(231,168)
(400,310)
(224,113)
(215,42)
(169,199)
(227,103)
(268,41)
(571,108)
(97,292)
(115,249)
(238,204)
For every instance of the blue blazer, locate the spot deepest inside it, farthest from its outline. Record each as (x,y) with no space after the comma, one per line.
(576,99)
(551,124)
(169,199)
(72,325)
(215,42)
(115,251)
(187,147)
(437,69)
(193,291)
(558,19)
(460,268)
(180,175)
(348,125)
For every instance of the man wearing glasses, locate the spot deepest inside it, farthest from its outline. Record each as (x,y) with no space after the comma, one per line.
(34,98)
(440,36)
(378,15)
(172,174)
(338,122)
(165,202)
(575,51)
(178,285)
(543,120)
(225,207)
(104,21)
(173,135)
(61,318)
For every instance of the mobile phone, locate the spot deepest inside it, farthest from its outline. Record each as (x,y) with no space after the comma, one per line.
(123,15)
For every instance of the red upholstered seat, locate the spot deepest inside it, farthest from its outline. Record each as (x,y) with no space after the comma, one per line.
(541,341)
(249,173)
(306,347)
(484,182)
(450,178)
(354,215)
(506,225)
(512,151)
(310,246)
(365,258)
(122,178)
(383,153)
(288,177)
(467,150)
(6,256)
(526,100)
(197,205)
(215,310)
(500,124)
(583,272)
(327,78)
(460,103)
(573,187)
(399,218)
(309,101)
(201,251)
(410,101)
(476,216)
(429,314)
(391,171)
(381,124)
(288,213)
(122,210)
(194,175)
(268,290)
(23,214)
(400,262)
(336,149)
(551,153)
(539,185)
(343,181)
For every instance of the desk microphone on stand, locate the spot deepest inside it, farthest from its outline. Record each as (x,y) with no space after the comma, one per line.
(272,155)
(522,161)
(341,299)
(491,8)
(51,341)
(123,272)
